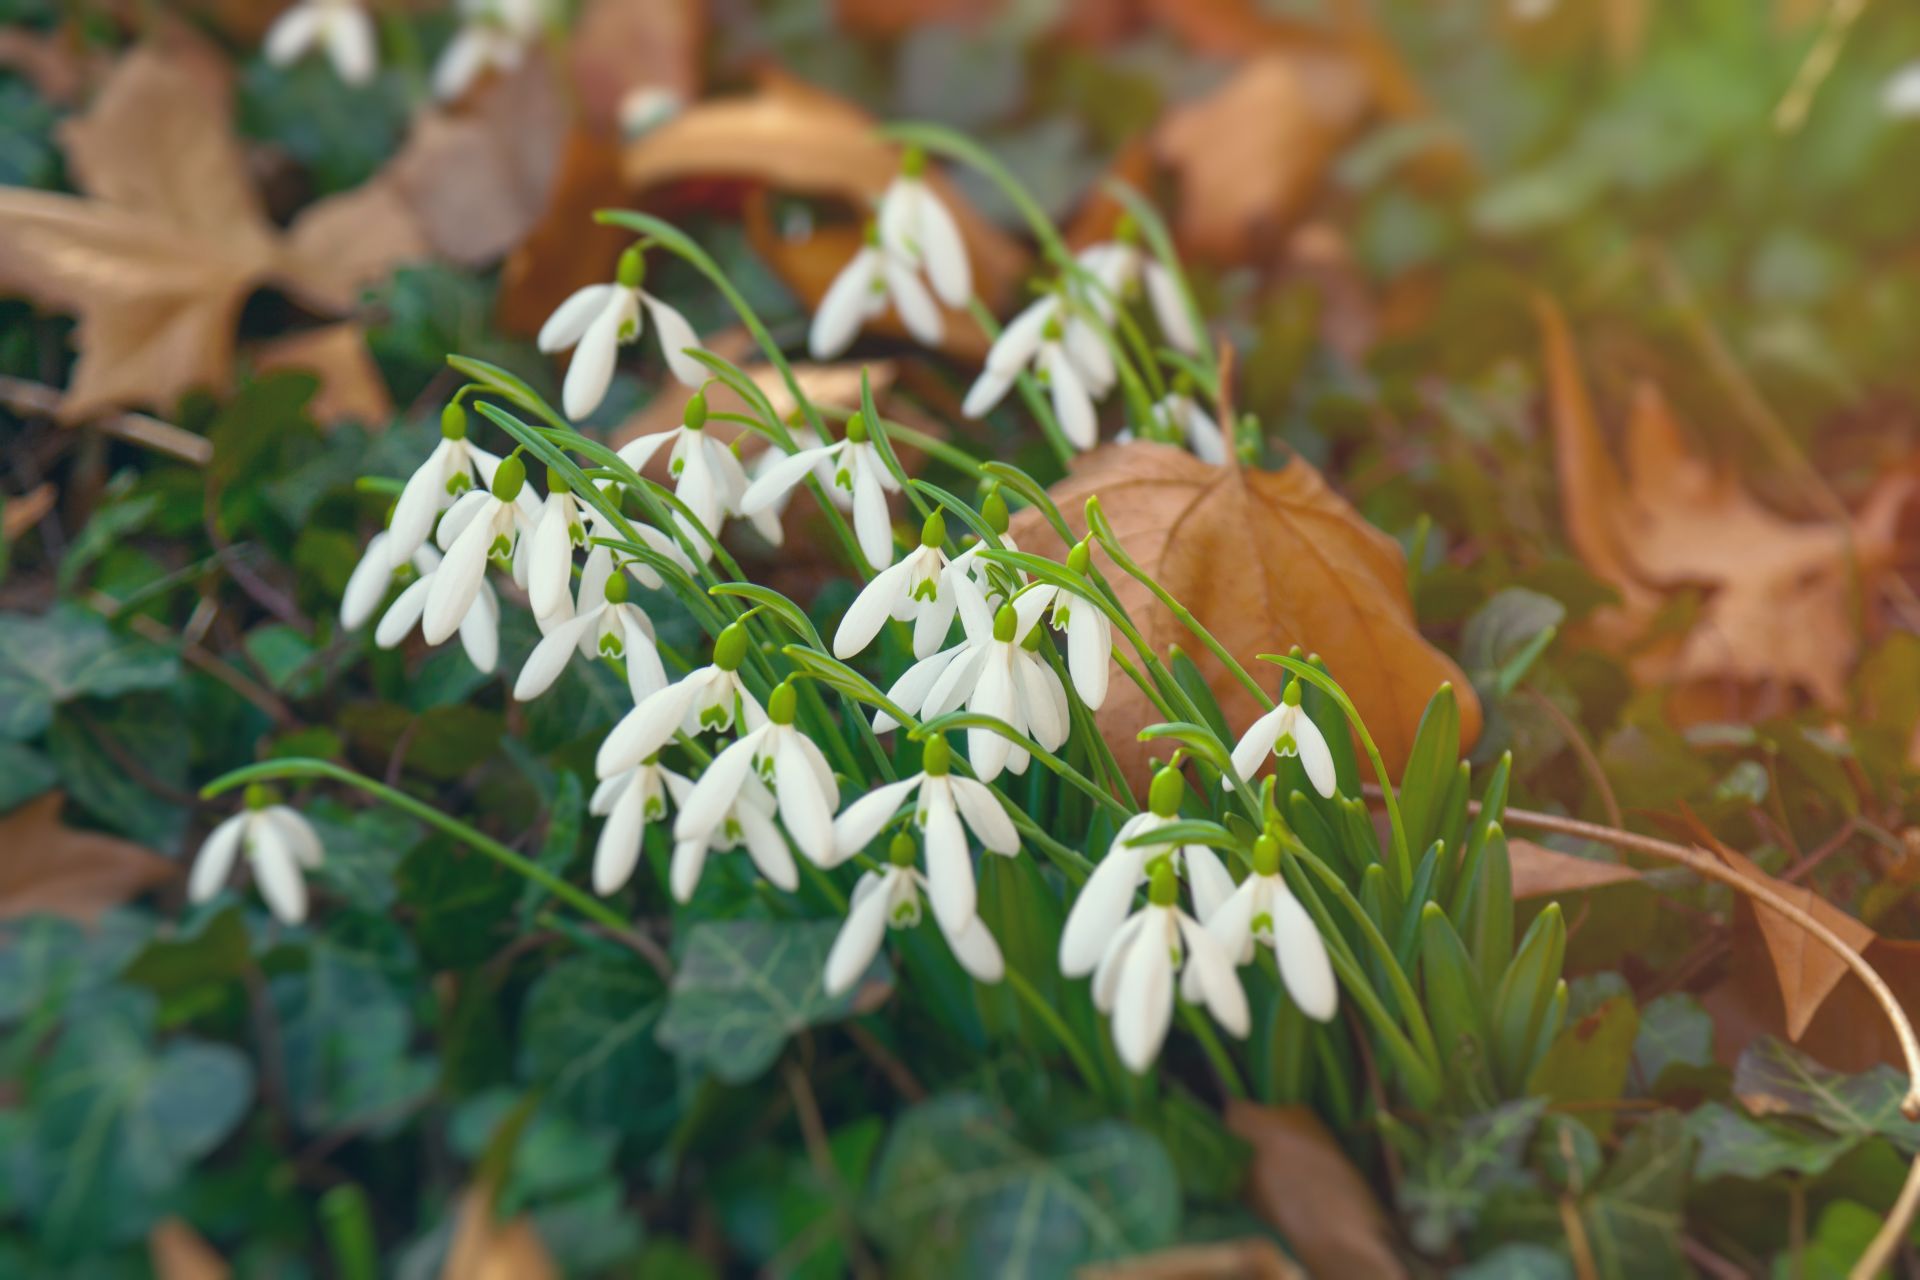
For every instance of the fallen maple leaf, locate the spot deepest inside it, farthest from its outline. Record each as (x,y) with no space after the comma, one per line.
(566,250)
(20,513)
(1540,872)
(1264,560)
(351,386)
(53,868)
(178,1252)
(1778,610)
(1301,1182)
(483,1249)
(621,48)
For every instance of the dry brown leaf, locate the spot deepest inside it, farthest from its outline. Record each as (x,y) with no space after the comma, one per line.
(1302,1183)
(25,511)
(56,869)
(567,249)
(1251,156)
(483,1249)
(1778,609)
(623,47)
(1540,872)
(1265,560)
(177,1252)
(60,64)
(1249,1259)
(351,386)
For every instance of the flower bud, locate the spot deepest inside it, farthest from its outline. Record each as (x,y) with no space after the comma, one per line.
(1168,789)
(510,478)
(730,648)
(453,422)
(633,268)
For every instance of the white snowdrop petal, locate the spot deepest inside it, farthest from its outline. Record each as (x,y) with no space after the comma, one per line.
(461,512)
(550,569)
(956,682)
(992,696)
(1106,975)
(683,872)
(1090,357)
(988,390)
(1231,922)
(1302,954)
(1089,652)
(645,729)
(768,851)
(860,937)
(872,523)
(367,584)
(976,950)
(402,614)
(910,691)
(1204,437)
(1143,1000)
(350,45)
(950,880)
(292,34)
(639,451)
(779,477)
(1046,710)
(1214,977)
(916,307)
(480,631)
(1208,879)
(618,849)
(1255,745)
(646,674)
(843,306)
(1315,758)
(591,370)
(214,863)
(1020,341)
(984,816)
(466,56)
(1072,406)
(935,619)
(302,840)
(943,249)
(714,792)
(1101,905)
(549,657)
(456,582)
(870,611)
(807,812)
(862,820)
(276,873)
(420,501)
(676,339)
(1169,308)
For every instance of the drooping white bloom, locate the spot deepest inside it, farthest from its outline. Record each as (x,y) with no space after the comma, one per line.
(596,320)
(1120,266)
(447,473)
(890,898)
(1107,896)
(560,527)
(1005,679)
(711,697)
(746,822)
(922,589)
(1181,417)
(777,752)
(494,36)
(915,224)
(479,629)
(874,278)
(608,625)
(1133,983)
(1900,97)
(1286,731)
(947,807)
(484,524)
(340,27)
(628,800)
(1067,357)
(854,475)
(706,475)
(279,845)
(1264,910)
(367,584)
(1089,630)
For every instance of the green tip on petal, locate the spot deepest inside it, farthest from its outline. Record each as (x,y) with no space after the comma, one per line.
(1291,695)
(259,795)
(934,532)
(782,703)
(1079,557)
(696,415)
(1168,789)
(936,758)
(557,483)
(1054,331)
(510,478)
(633,268)
(857,428)
(453,422)
(913,162)
(617,587)
(1005,623)
(993,509)
(1163,890)
(900,850)
(730,649)
(1266,856)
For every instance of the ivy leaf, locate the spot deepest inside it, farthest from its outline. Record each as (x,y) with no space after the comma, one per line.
(1733,1145)
(1446,1189)
(1588,1061)
(117,1122)
(1774,1078)
(462,901)
(65,654)
(1676,1035)
(344,1039)
(24,774)
(745,986)
(364,849)
(588,1039)
(45,960)
(957,1192)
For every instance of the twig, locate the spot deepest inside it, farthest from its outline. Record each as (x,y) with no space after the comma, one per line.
(23,396)
(1577,1243)
(1709,1261)
(904,1082)
(259,695)
(813,1131)
(1589,762)
(1819,64)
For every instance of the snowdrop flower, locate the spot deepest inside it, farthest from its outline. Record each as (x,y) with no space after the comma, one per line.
(1134,981)
(629,801)
(447,473)
(279,844)
(916,225)
(559,528)
(1180,417)
(597,320)
(706,475)
(803,785)
(609,625)
(482,525)
(947,808)
(479,629)
(1107,896)
(493,35)
(874,278)
(341,27)
(1286,731)
(1089,630)
(367,584)
(853,473)
(710,698)
(1064,357)
(891,899)
(747,822)
(1263,910)
(1121,266)
(922,589)
(1900,97)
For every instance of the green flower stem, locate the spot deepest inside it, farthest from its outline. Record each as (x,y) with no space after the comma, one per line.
(1198,1023)
(299,767)
(1402,854)
(973,720)
(933,447)
(1046,1013)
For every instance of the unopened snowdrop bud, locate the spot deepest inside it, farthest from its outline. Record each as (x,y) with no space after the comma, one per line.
(616,589)
(933,531)
(1286,731)
(279,845)
(782,703)
(1263,910)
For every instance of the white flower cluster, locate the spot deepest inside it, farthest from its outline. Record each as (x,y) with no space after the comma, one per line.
(494,35)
